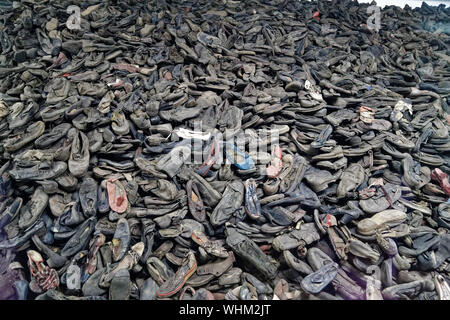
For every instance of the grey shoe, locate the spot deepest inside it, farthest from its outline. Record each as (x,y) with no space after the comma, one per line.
(172,162)
(38,172)
(88,196)
(408,290)
(121,240)
(231,202)
(251,253)
(296,263)
(31,212)
(79,153)
(120,288)
(382,199)
(318,280)
(352,177)
(80,239)
(307,234)
(148,290)
(320,179)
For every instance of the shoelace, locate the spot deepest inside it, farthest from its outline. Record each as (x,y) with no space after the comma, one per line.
(135,256)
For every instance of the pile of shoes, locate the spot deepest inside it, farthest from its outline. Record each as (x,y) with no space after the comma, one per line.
(102,123)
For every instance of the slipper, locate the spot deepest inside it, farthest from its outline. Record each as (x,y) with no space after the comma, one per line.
(317,281)
(212,158)
(195,202)
(252,205)
(117,195)
(442,178)
(274,169)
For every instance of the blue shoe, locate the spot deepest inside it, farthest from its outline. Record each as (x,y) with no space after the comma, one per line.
(317,281)
(240,159)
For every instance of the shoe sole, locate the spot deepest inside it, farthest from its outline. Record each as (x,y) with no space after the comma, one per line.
(174,291)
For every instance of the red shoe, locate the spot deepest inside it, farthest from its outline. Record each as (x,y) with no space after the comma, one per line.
(273,170)
(44,277)
(212,158)
(439,176)
(117,196)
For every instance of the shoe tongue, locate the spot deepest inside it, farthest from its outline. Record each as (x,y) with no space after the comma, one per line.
(44,165)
